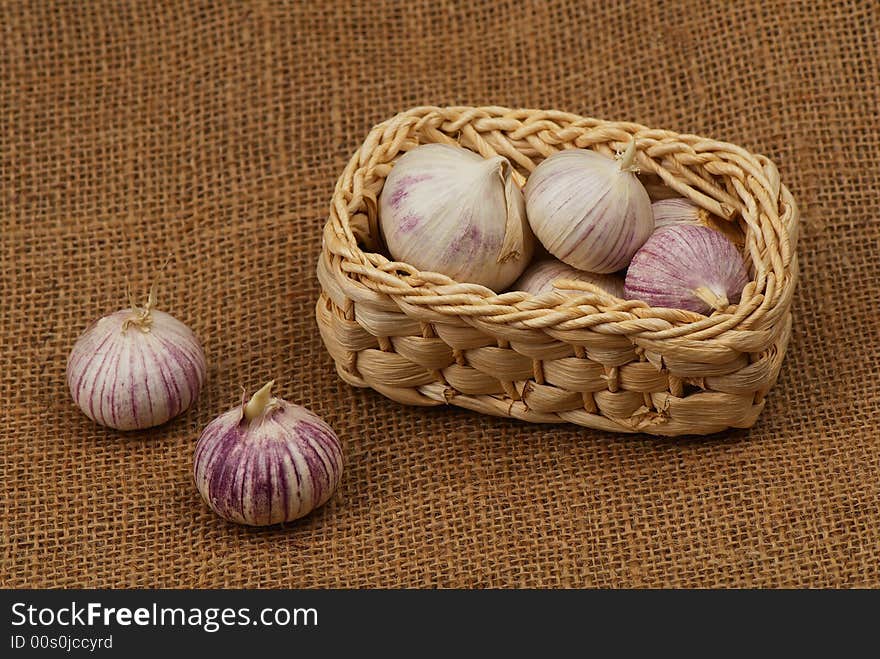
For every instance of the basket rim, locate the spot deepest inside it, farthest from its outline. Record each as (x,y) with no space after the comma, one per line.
(682,161)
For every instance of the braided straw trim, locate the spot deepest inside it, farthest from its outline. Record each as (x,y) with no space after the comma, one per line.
(589,358)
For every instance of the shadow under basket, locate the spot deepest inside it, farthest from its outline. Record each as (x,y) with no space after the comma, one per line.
(588,358)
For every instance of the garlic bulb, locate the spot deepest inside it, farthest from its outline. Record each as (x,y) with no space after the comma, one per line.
(267,461)
(445,209)
(687,267)
(589,210)
(539,277)
(669,212)
(136,368)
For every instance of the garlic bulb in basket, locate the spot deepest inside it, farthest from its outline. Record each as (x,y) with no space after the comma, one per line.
(669,212)
(446,209)
(539,277)
(588,210)
(687,267)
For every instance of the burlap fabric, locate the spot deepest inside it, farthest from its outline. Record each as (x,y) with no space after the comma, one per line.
(216,131)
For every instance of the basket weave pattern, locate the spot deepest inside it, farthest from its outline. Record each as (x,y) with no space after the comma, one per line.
(588,358)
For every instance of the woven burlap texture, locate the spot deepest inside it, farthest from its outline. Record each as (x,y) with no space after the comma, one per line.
(216,132)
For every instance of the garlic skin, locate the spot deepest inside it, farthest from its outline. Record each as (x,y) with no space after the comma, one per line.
(669,212)
(588,210)
(135,369)
(539,277)
(446,209)
(687,267)
(267,461)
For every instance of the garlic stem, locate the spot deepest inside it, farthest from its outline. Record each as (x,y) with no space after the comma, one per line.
(141,317)
(493,165)
(151,299)
(258,403)
(713,299)
(628,157)
(513,246)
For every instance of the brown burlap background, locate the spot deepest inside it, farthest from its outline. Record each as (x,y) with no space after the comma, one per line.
(215,131)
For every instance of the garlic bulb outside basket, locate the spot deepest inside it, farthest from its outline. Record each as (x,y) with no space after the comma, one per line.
(687,267)
(136,368)
(446,209)
(539,277)
(588,210)
(267,461)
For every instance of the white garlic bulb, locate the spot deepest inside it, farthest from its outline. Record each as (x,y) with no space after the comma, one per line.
(136,368)
(539,278)
(446,209)
(676,211)
(588,210)
(670,212)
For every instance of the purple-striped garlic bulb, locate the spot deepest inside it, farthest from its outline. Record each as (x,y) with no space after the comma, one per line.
(267,461)
(446,209)
(539,278)
(687,267)
(136,368)
(588,210)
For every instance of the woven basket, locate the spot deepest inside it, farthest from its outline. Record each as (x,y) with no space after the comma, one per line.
(588,358)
